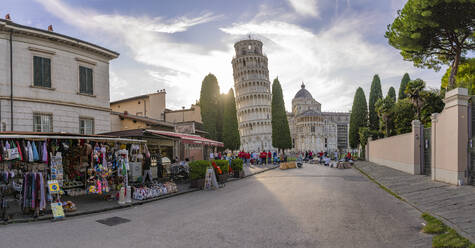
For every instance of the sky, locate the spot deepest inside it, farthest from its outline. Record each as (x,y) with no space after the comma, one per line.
(333,46)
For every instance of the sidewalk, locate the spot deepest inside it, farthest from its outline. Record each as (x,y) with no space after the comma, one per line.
(89,204)
(455,205)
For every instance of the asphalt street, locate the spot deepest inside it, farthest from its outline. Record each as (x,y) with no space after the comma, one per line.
(310,207)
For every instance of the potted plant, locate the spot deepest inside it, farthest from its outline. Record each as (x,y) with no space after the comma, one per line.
(198,172)
(221,169)
(236,166)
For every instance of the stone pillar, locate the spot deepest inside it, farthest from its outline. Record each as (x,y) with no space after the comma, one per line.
(450,139)
(417,134)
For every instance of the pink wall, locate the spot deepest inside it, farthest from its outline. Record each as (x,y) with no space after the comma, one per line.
(450,139)
(397,152)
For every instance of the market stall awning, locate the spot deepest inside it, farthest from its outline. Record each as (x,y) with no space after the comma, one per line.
(45,135)
(188,138)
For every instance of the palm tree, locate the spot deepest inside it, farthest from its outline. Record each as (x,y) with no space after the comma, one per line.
(384,108)
(415,92)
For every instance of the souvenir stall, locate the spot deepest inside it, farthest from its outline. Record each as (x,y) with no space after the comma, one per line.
(42,172)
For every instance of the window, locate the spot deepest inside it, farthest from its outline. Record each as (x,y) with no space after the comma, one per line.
(41,72)
(42,122)
(312,129)
(85,80)
(326,143)
(86,126)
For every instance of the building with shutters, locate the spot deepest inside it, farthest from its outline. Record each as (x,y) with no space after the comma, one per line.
(51,82)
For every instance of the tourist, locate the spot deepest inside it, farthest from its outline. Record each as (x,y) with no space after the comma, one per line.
(269,157)
(263,157)
(146,163)
(211,156)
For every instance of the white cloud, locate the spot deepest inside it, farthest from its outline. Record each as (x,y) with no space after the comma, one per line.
(332,62)
(178,67)
(305,7)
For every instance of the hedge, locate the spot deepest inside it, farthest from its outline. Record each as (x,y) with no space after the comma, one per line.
(198,169)
(236,164)
(224,165)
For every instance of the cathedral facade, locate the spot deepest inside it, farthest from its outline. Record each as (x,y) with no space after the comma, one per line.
(314,130)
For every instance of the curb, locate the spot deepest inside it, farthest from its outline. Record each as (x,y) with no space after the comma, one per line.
(136,203)
(445,221)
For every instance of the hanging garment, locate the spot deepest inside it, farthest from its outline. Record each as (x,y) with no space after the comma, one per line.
(36,156)
(24,150)
(45,153)
(30,152)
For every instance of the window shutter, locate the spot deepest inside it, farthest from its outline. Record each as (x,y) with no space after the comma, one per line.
(82,79)
(37,71)
(46,72)
(89,81)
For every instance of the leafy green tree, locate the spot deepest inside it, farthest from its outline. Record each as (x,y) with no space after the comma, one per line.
(404,113)
(433,103)
(280,126)
(358,117)
(364,135)
(230,126)
(392,94)
(415,93)
(405,79)
(465,76)
(209,97)
(434,32)
(384,108)
(374,94)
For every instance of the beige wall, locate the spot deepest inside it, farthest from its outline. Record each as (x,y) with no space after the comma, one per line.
(401,152)
(191,114)
(450,139)
(126,124)
(133,107)
(156,104)
(152,106)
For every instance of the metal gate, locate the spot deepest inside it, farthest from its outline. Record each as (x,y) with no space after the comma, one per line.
(471,133)
(427,151)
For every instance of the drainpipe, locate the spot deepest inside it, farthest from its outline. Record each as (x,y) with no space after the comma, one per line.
(11,80)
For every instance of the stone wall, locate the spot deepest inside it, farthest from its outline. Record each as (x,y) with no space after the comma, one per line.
(400,152)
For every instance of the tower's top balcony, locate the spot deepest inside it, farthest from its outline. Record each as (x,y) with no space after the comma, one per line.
(248,47)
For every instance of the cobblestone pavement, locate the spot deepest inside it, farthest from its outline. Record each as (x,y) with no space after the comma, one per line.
(454,204)
(314,206)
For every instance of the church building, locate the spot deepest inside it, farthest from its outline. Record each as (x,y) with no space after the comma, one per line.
(314,130)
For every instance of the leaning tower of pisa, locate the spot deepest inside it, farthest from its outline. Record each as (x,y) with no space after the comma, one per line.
(253,96)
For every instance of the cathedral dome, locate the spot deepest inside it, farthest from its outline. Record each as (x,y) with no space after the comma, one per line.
(303,93)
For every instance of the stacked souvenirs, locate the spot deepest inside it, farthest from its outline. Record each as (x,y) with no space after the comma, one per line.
(155,190)
(100,171)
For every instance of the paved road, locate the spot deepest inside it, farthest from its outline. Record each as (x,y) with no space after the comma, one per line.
(309,207)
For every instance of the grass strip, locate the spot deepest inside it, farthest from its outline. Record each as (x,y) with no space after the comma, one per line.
(380,185)
(445,237)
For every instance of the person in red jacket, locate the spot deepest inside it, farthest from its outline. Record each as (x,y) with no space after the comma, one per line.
(269,157)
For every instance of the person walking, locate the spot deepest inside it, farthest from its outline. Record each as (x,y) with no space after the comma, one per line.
(146,163)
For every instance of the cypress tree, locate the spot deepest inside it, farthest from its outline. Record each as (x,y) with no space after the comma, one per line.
(209,105)
(280,126)
(405,79)
(392,94)
(374,95)
(358,117)
(220,117)
(230,125)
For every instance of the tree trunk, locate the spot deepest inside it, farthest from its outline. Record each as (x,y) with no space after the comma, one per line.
(453,71)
